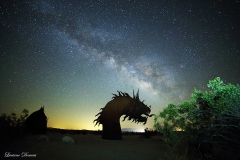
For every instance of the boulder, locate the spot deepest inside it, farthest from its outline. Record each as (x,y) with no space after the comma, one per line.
(67,140)
(43,138)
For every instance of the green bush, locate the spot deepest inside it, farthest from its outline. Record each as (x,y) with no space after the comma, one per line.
(209,117)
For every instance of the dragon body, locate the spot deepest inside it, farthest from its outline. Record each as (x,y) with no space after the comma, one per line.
(122,104)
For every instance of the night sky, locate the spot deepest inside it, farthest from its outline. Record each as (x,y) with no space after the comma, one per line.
(71,55)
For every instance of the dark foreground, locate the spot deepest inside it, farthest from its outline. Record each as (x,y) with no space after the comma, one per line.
(87,146)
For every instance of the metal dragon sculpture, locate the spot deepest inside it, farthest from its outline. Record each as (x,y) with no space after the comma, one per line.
(121,104)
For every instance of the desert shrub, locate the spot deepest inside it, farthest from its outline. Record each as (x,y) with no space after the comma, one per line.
(209,121)
(84,132)
(12,125)
(149,133)
(98,132)
(63,131)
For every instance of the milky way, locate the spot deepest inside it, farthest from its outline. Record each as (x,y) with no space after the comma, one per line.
(70,56)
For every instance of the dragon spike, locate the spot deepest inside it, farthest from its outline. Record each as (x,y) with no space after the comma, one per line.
(97,123)
(114,95)
(133,94)
(119,94)
(94,120)
(127,94)
(98,114)
(143,101)
(150,106)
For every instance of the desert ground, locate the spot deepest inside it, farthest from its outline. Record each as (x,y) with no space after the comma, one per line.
(88,146)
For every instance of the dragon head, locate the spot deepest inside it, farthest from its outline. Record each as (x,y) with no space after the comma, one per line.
(139,112)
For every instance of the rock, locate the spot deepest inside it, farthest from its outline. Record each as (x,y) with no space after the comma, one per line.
(43,138)
(68,140)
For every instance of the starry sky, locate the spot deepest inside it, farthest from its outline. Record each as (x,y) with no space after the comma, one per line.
(71,55)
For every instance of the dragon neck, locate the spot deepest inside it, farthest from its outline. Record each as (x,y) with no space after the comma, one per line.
(117,107)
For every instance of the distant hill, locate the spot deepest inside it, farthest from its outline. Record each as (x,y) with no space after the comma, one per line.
(132,129)
(50,129)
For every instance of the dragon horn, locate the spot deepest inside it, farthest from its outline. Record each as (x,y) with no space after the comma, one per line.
(137,97)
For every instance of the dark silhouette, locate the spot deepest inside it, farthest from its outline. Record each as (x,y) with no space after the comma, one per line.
(200,145)
(36,122)
(122,104)
(5,126)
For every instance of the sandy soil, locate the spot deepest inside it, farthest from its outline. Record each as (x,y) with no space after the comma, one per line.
(90,147)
